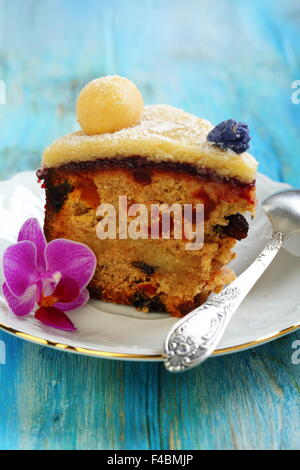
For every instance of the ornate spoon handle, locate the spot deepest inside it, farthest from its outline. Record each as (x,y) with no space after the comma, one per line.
(195,337)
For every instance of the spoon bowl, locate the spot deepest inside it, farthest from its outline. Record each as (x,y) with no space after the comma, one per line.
(283,210)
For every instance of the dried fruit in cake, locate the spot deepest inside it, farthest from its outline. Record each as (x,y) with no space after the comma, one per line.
(237,226)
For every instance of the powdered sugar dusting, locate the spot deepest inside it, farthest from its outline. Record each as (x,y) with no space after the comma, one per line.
(158,120)
(164,133)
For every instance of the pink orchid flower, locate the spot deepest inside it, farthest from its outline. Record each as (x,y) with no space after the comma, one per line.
(51,276)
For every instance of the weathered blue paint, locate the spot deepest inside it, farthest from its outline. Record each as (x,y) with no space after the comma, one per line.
(218,59)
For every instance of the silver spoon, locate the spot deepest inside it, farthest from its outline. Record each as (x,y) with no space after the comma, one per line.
(193,338)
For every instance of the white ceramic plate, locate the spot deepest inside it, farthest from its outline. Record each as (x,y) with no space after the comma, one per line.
(272,309)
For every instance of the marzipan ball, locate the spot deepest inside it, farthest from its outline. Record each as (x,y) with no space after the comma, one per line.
(109,104)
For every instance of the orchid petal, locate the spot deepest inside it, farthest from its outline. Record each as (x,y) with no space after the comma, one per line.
(67,290)
(81,300)
(31,230)
(52,316)
(20,305)
(72,259)
(19,267)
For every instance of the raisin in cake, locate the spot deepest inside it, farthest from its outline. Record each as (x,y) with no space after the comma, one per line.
(152,154)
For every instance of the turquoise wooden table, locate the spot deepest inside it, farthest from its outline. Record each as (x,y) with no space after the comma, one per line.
(215,58)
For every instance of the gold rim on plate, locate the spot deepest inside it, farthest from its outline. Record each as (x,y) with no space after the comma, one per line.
(115,355)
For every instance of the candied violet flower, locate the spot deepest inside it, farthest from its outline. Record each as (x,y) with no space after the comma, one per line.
(51,276)
(230,134)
